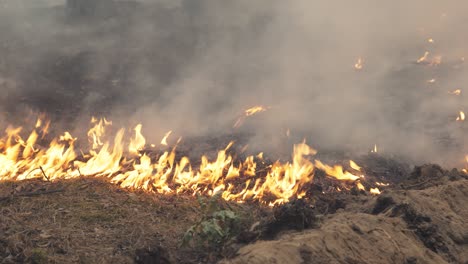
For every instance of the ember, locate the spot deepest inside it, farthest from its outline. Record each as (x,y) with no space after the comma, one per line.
(461,116)
(359,64)
(455,92)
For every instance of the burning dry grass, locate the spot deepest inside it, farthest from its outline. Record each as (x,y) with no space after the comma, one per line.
(90,220)
(130,165)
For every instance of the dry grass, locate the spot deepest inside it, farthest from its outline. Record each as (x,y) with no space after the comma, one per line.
(88,221)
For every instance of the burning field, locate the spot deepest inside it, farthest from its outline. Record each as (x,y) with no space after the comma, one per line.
(126,200)
(241,132)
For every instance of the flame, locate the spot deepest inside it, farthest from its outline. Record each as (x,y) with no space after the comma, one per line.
(455,92)
(249,112)
(336,172)
(95,133)
(44,123)
(39,123)
(382,184)
(466,170)
(353,165)
(430,40)
(360,186)
(359,64)
(138,142)
(431,80)
(374,150)
(375,191)
(256,109)
(236,181)
(433,61)
(164,140)
(423,58)
(461,116)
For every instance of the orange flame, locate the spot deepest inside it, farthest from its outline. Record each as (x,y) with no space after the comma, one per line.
(359,64)
(164,140)
(138,142)
(256,109)
(466,166)
(455,92)
(425,59)
(249,112)
(461,116)
(353,165)
(21,159)
(375,191)
(360,186)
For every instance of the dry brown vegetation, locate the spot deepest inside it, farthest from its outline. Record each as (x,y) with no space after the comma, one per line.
(88,220)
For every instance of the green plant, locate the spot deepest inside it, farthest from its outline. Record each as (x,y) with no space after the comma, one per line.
(216,226)
(38,256)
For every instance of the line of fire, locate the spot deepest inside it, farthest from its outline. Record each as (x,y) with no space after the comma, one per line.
(204,131)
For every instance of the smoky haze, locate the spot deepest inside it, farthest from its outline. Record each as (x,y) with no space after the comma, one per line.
(194,66)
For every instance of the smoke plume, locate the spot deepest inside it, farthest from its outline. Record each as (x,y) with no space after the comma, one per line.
(194,66)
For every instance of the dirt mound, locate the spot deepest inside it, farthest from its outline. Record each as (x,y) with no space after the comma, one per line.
(401,226)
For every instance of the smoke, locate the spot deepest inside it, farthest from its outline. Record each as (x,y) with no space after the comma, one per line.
(194,66)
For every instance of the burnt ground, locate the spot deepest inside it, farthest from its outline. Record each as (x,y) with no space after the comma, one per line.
(422,220)
(419,220)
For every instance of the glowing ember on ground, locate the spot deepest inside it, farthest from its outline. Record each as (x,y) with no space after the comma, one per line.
(431,61)
(423,58)
(455,92)
(237,181)
(375,191)
(360,186)
(382,184)
(359,64)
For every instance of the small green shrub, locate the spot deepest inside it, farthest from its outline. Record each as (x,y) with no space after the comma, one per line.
(216,226)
